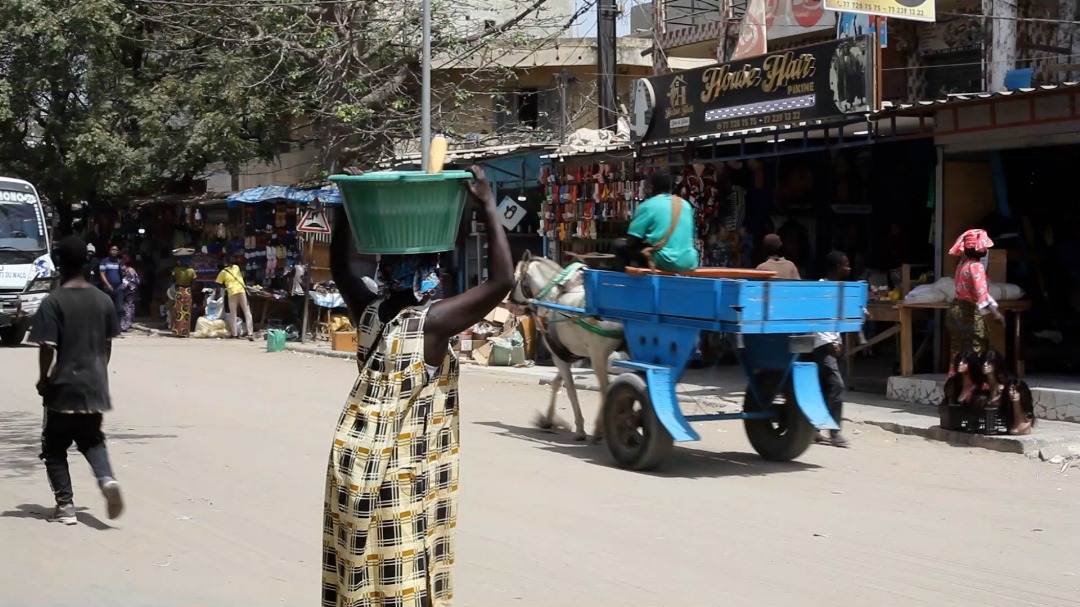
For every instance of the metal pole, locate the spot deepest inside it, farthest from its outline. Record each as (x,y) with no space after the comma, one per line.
(564,112)
(606,63)
(425,91)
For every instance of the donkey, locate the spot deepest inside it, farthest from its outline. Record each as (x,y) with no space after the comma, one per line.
(568,337)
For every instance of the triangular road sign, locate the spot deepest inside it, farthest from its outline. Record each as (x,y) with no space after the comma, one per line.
(313,223)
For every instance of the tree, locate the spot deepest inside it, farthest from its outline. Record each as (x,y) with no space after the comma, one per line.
(102,99)
(93,108)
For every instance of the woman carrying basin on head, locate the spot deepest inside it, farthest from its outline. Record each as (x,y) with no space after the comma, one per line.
(391,489)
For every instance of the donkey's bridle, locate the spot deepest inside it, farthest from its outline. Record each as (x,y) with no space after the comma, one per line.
(552,285)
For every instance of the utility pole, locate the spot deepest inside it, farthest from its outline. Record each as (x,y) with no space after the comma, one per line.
(564,79)
(606,42)
(425,90)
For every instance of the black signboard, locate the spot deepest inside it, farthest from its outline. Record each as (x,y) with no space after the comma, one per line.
(820,81)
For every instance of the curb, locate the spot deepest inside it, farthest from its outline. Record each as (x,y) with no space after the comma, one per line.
(1045,447)
(1031,446)
(317,351)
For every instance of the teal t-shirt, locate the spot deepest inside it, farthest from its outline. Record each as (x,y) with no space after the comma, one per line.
(650,223)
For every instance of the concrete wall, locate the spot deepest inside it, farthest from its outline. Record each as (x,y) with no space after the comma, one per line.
(477,113)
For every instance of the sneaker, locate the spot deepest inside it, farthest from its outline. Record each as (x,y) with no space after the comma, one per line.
(251,337)
(110,488)
(821,439)
(838,440)
(64,513)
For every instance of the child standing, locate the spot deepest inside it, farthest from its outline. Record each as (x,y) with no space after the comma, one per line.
(74,328)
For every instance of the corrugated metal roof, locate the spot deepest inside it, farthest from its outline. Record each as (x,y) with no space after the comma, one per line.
(931,105)
(588,150)
(195,200)
(475,153)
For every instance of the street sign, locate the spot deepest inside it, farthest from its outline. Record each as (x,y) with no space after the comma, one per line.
(313,222)
(511,213)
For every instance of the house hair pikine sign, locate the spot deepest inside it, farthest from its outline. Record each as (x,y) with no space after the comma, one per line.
(821,81)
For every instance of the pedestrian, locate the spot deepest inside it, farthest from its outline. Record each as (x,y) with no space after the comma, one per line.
(773,247)
(828,348)
(391,492)
(965,318)
(233,280)
(131,293)
(298,295)
(112,279)
(74,328)
(90,269)
(183,276)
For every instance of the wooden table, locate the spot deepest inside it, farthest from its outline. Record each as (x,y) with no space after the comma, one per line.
(877,311)
(998,335)
(904,315)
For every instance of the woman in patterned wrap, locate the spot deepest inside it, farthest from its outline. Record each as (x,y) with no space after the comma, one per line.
(966,316)
(391,506)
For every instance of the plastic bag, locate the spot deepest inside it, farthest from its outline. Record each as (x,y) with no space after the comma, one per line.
(924,294)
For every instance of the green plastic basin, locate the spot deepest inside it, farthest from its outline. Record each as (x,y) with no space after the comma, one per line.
(403,212)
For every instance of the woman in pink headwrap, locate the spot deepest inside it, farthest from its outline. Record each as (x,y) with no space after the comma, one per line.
(966,318)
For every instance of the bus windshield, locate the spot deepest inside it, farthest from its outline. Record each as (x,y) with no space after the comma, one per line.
(21,231)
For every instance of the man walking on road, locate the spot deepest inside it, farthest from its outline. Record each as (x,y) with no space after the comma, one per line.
(827,350)
(112,279)
(74,328)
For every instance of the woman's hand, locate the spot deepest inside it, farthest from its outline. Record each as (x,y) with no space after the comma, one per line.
(999,318)
(480,189)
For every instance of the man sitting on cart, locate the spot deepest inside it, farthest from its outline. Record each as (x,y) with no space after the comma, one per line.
(661,235)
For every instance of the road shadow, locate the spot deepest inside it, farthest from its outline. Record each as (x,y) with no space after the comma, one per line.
(20,443)
(41,513)
(684,462)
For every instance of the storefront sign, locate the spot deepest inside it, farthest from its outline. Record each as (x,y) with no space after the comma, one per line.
(811,83)
(914,10)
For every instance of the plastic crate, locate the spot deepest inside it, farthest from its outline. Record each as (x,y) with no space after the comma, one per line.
(960,418)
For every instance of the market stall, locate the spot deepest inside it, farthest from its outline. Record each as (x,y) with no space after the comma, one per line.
(273,242)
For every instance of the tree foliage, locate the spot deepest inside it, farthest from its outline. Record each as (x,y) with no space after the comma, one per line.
(101,99)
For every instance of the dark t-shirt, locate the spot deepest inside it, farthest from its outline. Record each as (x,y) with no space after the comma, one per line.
(80,323)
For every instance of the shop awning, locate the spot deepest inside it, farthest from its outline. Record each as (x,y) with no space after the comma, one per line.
(326,195)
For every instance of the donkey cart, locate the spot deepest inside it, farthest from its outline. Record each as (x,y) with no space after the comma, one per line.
(769,322)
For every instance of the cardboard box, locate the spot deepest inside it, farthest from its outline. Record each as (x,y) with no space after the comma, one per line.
(344,341)
(498,316)
(482,354)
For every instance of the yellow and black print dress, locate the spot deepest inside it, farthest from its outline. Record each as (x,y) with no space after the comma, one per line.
(392,480)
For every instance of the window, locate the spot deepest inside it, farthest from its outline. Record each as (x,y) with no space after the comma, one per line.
(525,108)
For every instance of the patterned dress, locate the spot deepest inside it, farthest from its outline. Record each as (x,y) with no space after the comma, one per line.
(391,484)
(965,320)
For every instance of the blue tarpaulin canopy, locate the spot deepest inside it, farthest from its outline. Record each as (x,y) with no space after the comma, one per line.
(326,195)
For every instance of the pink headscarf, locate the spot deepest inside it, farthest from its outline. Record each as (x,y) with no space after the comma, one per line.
(972,239)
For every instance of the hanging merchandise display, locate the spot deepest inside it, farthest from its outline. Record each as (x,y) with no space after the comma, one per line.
(589,206)
(270,244)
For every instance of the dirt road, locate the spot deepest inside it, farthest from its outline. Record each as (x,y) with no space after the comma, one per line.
(222,449)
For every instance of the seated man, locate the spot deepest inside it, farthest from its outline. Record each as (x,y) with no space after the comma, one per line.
(662,230)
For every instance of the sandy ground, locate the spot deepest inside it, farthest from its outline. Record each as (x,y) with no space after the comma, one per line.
(222,449)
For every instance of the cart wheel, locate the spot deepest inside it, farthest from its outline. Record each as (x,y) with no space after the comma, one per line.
(784,437)
(636,438)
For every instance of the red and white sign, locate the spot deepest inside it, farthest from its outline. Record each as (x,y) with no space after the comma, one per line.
(313,223)
(754,35)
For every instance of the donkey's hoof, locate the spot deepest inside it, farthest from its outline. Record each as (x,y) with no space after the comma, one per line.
(544,423)
(580,436)
(597,439)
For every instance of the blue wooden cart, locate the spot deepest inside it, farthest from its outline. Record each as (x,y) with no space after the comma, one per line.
(770,322)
